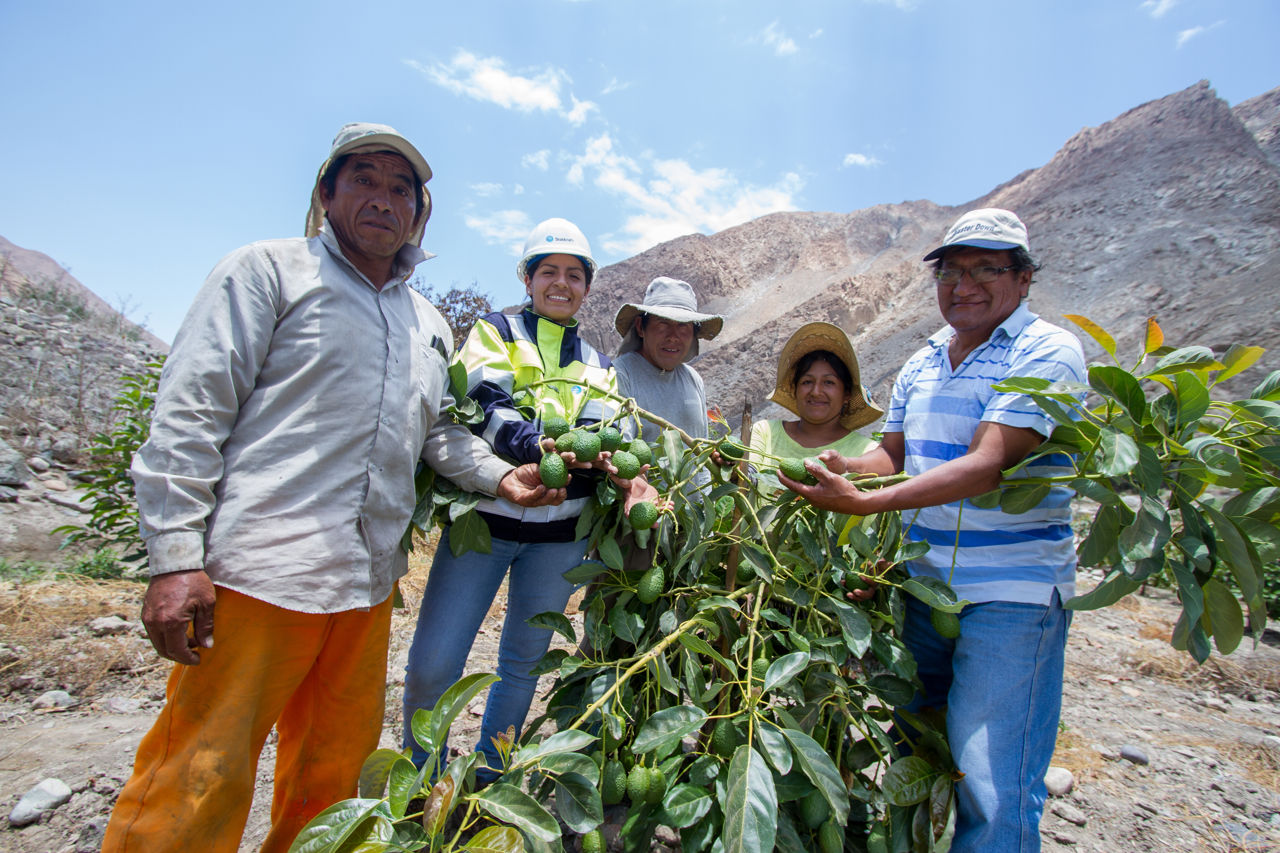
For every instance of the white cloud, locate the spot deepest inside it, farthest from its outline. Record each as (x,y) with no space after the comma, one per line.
(816,33)
(774,37)
(902,5)
(486,189)
(1157,8)
(501,227)
(540,160)
(671,198)
(517,189)
(615,85)
(580,111)
(487,79)
(1187,35)
(861,160)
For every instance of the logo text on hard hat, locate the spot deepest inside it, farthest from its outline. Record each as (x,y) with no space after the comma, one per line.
(550,239)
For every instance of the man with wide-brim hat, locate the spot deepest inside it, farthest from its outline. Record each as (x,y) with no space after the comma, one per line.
(305,384)
(996,668)
(659,335)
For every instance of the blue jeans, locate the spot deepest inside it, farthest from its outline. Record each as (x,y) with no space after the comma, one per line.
(459,592)
(1001,683)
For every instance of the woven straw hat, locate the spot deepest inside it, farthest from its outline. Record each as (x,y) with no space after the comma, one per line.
(824,336)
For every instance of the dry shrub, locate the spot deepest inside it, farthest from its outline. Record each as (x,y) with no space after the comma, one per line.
(1261,763)
(1156,631)
(49,619)
(1216,836)
(1075,754)
(1243,674)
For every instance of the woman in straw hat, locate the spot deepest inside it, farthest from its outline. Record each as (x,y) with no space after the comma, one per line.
(819,381)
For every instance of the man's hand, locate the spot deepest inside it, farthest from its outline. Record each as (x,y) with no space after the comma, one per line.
(869,583)
(640,489)
(835,461)
(174,603)
(523,486)
(832,491)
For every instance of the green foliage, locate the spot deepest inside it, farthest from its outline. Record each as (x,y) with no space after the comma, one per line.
(758,695)
(1270,589)
(21,570)
(114,519)
(1188,485)
(739,685)
(102,564)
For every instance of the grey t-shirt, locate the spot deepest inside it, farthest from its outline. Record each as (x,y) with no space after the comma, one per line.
(676,396)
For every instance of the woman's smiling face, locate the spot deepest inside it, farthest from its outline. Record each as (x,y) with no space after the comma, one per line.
(820,394)
(557,287)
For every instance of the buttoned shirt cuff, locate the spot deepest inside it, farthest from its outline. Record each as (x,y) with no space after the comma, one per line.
(489,473)
(178,551)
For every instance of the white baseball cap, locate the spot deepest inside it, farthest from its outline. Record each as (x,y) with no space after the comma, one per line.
(988,228)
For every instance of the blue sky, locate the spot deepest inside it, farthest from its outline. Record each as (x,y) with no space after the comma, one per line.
(143,141)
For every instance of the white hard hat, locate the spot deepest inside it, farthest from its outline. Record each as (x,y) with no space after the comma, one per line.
(556,237)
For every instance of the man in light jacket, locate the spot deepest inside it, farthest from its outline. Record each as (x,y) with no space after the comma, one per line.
(304,385)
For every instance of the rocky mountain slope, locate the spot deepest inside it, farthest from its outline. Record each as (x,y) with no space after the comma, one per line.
(63,351)
(1170,210)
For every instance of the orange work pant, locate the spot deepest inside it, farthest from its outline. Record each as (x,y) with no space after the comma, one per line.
(319,678)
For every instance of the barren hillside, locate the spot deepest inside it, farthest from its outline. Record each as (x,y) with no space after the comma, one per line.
(1171,210)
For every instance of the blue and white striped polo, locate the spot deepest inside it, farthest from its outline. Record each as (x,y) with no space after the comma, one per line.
(996,556)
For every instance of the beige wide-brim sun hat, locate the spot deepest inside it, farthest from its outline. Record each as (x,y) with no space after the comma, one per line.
(824,336)
(671,299)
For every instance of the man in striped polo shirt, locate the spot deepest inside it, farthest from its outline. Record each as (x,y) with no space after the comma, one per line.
(1001,678)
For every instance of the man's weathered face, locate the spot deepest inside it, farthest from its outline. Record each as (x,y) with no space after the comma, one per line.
(977,308)
(664,343)
(373,206)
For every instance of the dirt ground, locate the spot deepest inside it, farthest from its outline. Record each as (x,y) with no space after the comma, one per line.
(1210,734)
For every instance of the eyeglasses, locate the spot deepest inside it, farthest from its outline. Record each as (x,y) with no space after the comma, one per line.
(978,275)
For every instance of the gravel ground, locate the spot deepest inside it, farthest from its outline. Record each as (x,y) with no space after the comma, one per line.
(1210,735)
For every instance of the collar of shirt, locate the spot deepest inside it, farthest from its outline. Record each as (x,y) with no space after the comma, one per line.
(407,258)
(642,364)
(1012,326)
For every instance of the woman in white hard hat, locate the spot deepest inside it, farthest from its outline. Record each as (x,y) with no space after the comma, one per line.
(818,380)
(507,358)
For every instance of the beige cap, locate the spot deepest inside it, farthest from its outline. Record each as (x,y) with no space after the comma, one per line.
(989,228)
(366,137)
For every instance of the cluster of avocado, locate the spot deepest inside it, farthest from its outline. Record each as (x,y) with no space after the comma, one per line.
(586,445)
